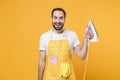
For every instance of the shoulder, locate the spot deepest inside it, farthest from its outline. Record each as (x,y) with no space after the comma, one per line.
(45,34)
(70,32)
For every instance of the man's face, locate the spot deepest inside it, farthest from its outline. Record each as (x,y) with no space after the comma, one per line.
(58,20)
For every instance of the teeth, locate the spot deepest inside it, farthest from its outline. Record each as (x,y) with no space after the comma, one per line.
(57,24)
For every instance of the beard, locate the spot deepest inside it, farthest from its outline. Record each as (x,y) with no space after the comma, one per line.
(57,28)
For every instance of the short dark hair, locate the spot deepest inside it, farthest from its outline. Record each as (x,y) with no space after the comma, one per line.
(58,9)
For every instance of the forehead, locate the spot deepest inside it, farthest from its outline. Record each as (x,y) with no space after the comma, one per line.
(58,13)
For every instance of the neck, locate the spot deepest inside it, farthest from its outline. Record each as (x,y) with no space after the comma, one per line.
(58,31)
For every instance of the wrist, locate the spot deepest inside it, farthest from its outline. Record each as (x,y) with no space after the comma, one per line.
(85,42)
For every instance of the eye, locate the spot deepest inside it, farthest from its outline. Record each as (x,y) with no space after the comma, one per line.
(55,17)
(61,17)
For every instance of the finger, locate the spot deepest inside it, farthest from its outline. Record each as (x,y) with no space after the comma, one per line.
(91,36)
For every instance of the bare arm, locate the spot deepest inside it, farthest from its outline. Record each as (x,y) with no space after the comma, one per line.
(81,51)
(41,64)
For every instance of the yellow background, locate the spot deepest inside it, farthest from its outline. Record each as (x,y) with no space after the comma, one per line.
(23,21)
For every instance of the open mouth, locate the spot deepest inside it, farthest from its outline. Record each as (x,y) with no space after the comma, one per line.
(58,24)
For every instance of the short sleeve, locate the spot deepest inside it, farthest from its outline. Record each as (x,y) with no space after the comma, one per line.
(76,40)
(42,43)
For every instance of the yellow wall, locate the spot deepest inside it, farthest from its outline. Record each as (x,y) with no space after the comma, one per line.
(23,21)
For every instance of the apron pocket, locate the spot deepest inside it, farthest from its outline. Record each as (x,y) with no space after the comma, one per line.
(65,70)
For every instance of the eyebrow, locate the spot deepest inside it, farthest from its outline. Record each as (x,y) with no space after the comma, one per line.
(60,16)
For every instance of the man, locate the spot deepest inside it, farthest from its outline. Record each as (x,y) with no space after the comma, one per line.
(56,47)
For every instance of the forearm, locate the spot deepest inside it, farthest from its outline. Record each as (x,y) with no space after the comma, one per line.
(84,49)
(41,69)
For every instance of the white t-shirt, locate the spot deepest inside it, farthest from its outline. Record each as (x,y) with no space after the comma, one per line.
(50,35)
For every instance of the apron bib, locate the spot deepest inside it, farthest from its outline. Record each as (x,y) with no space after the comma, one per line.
(58,61)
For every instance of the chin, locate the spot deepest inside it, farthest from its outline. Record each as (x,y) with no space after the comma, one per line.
(58,28)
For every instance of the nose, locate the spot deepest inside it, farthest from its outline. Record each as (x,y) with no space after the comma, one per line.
(58,20)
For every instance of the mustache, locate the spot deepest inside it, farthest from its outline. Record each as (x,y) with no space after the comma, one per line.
(57,23)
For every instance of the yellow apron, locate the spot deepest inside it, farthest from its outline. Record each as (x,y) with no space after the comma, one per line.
(58,61)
